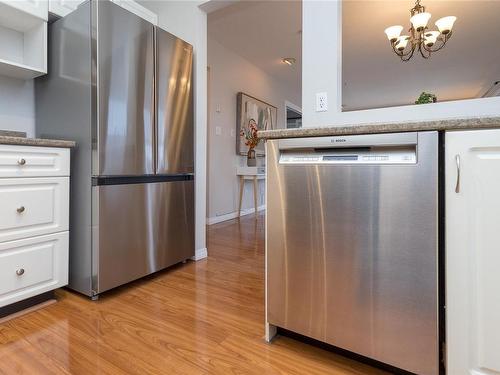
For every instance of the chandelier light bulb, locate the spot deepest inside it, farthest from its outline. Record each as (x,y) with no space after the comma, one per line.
(419,20)
(445,24)
(431,37)
(402,42)
(393,32)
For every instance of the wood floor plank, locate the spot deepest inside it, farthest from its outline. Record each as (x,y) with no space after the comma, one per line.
(202,317)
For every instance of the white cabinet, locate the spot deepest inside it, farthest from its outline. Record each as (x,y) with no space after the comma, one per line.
(63,7)
(37,8)
(32,161)
(473,252)
(32,266)
(33,206)
(23,38)
(34,221)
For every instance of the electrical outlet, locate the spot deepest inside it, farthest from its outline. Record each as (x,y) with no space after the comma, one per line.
(321,102)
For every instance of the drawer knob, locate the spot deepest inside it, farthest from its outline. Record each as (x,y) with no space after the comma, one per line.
(21,209)
(20,272)
(21,161)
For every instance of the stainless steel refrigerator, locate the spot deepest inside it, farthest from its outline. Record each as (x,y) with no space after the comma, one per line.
(122,89)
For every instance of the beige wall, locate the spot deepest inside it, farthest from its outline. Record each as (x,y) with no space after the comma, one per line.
(230,74)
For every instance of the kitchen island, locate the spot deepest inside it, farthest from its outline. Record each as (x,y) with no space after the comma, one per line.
(339,232)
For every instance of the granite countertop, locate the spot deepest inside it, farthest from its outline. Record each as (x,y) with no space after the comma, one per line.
(8,137)
(454,124)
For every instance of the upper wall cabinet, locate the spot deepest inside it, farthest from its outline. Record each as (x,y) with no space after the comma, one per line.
(23,38)
(37,8)
(63,7)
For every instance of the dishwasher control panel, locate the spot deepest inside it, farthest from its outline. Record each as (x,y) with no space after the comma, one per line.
(339,156)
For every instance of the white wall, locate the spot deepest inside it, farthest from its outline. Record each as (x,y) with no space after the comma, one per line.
(17,105)
(229,74)
(187,21)
(321,72)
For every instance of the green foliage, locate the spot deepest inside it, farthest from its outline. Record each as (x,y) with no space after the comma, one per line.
(425,98)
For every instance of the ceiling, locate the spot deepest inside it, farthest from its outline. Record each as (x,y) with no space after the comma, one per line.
(373,76)
(263,32)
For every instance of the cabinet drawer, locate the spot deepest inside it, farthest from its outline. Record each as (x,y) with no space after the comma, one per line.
(30,161)
(33,206)
(32,266)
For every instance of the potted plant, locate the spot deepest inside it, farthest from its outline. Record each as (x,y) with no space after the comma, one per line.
(249,132)
(426,98)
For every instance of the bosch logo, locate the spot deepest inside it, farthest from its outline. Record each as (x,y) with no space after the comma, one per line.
(338,140)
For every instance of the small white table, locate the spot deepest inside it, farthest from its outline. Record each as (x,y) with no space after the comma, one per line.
(253,174)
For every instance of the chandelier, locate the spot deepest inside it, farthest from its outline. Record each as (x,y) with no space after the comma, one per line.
(421,38)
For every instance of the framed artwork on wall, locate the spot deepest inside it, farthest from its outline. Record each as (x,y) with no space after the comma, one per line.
(250,110)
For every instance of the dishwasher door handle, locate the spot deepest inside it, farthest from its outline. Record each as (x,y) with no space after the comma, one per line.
(457,185)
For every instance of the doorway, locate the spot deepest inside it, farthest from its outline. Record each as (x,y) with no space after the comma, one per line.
(255,77)
(293,116)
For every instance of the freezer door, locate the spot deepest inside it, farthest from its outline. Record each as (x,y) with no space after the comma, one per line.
(352,249)
(175,118)
(125,92)
(141,228)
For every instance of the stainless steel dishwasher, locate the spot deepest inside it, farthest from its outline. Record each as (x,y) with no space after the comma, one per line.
(352,244)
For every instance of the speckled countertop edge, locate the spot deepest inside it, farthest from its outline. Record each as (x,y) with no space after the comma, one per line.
(450,124)
(23,141)
(12,133)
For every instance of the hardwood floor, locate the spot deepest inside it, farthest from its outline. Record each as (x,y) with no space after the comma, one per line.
(203,317)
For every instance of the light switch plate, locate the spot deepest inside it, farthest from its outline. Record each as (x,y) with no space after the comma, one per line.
(321,102)
(218,130)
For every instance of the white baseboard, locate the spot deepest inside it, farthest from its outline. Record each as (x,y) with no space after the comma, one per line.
(200,254)
(233,215)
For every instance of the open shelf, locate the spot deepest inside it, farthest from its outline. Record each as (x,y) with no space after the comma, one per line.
(21,71)
(23,37)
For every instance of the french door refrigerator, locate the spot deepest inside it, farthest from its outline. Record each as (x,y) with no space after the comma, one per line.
(122,89)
